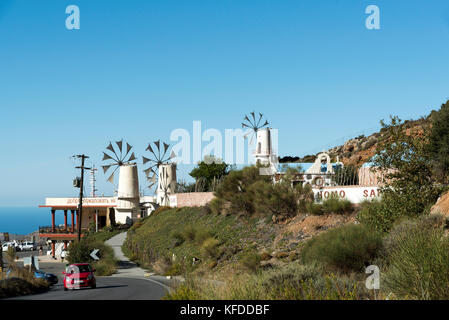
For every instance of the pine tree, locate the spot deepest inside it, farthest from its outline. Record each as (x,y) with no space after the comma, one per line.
(439,143)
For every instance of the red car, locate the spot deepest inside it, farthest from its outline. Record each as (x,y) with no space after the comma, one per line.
(79,275)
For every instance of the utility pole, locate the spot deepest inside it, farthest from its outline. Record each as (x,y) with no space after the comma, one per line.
(80,204)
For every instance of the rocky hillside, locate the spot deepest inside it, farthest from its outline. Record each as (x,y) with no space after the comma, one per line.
(360,149)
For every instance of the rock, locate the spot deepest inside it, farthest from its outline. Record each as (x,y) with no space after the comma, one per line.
(442,205)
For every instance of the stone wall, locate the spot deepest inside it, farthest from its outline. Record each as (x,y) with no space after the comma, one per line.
(191,199)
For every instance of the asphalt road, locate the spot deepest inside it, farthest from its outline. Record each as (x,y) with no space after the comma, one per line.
(129,283)
(108,288)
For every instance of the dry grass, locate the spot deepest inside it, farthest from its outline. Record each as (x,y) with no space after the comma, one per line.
(20,282)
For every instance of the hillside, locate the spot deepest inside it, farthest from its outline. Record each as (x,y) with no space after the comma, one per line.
(360,149)
(186,233)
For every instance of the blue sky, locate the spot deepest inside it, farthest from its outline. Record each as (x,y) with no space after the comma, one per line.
(139,69)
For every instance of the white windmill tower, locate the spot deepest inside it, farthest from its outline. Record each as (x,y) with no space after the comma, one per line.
(128,197)
(162,170)
(263,154)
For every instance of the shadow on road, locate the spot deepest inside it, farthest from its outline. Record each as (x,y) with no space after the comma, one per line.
(116,286)
(126,264)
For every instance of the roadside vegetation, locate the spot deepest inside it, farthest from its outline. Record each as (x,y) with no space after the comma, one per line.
(258,240)
(19,281)
(80,251)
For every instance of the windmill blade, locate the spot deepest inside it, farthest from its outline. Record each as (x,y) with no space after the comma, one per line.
(157,144)
(119,144)
(132,157)
(251,141)
(147,171)
(145,160)
(172,155)
(150,185)
(106,168)
(260,118)
(111,177)
(246,118)
(152,150)
(245,136)
(265,124)
(128,149)
(254,116)
(110,147)
(245,125)
(107,157)
(165,148)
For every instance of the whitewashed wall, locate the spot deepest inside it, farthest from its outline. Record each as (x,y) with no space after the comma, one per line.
(355,194)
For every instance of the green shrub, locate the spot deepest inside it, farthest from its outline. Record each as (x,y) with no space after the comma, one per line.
(175,269)
(407,168)
(251,261)
(336,205)
(189,233)
(210,247)
(234,190)
(217,205)
(293,282)
(178,237)
(79,252)
(185,291)
(347,248)
(246,192)
(418,260)
(376,214)
(306,282)
(202,235)
(315,209)
(279,199)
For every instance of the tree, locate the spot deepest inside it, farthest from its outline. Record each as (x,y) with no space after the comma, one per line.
(408,187)
(209,172)
(439,143)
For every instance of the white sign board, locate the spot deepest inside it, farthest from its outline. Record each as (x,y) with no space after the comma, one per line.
(355,194)
(88,202)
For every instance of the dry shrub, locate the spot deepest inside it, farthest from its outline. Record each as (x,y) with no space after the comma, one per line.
(162,265)
(210,247)
(160,209)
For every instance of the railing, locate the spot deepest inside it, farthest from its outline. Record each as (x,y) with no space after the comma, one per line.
(58,229)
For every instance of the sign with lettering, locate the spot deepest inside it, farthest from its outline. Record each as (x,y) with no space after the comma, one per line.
(355,194)
(87,202)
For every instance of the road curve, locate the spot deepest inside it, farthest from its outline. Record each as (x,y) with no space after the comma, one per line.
(128,283)
(108,288)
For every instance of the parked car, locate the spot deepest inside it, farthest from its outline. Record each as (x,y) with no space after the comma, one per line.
(6,245)
(28,246)
(79,275)
(50,277)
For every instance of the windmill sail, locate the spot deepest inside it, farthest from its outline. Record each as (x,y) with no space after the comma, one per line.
(116,161)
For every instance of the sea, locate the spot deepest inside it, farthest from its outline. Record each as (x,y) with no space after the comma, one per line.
(25,220)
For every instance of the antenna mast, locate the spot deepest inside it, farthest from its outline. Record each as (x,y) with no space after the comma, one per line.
(92,181)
